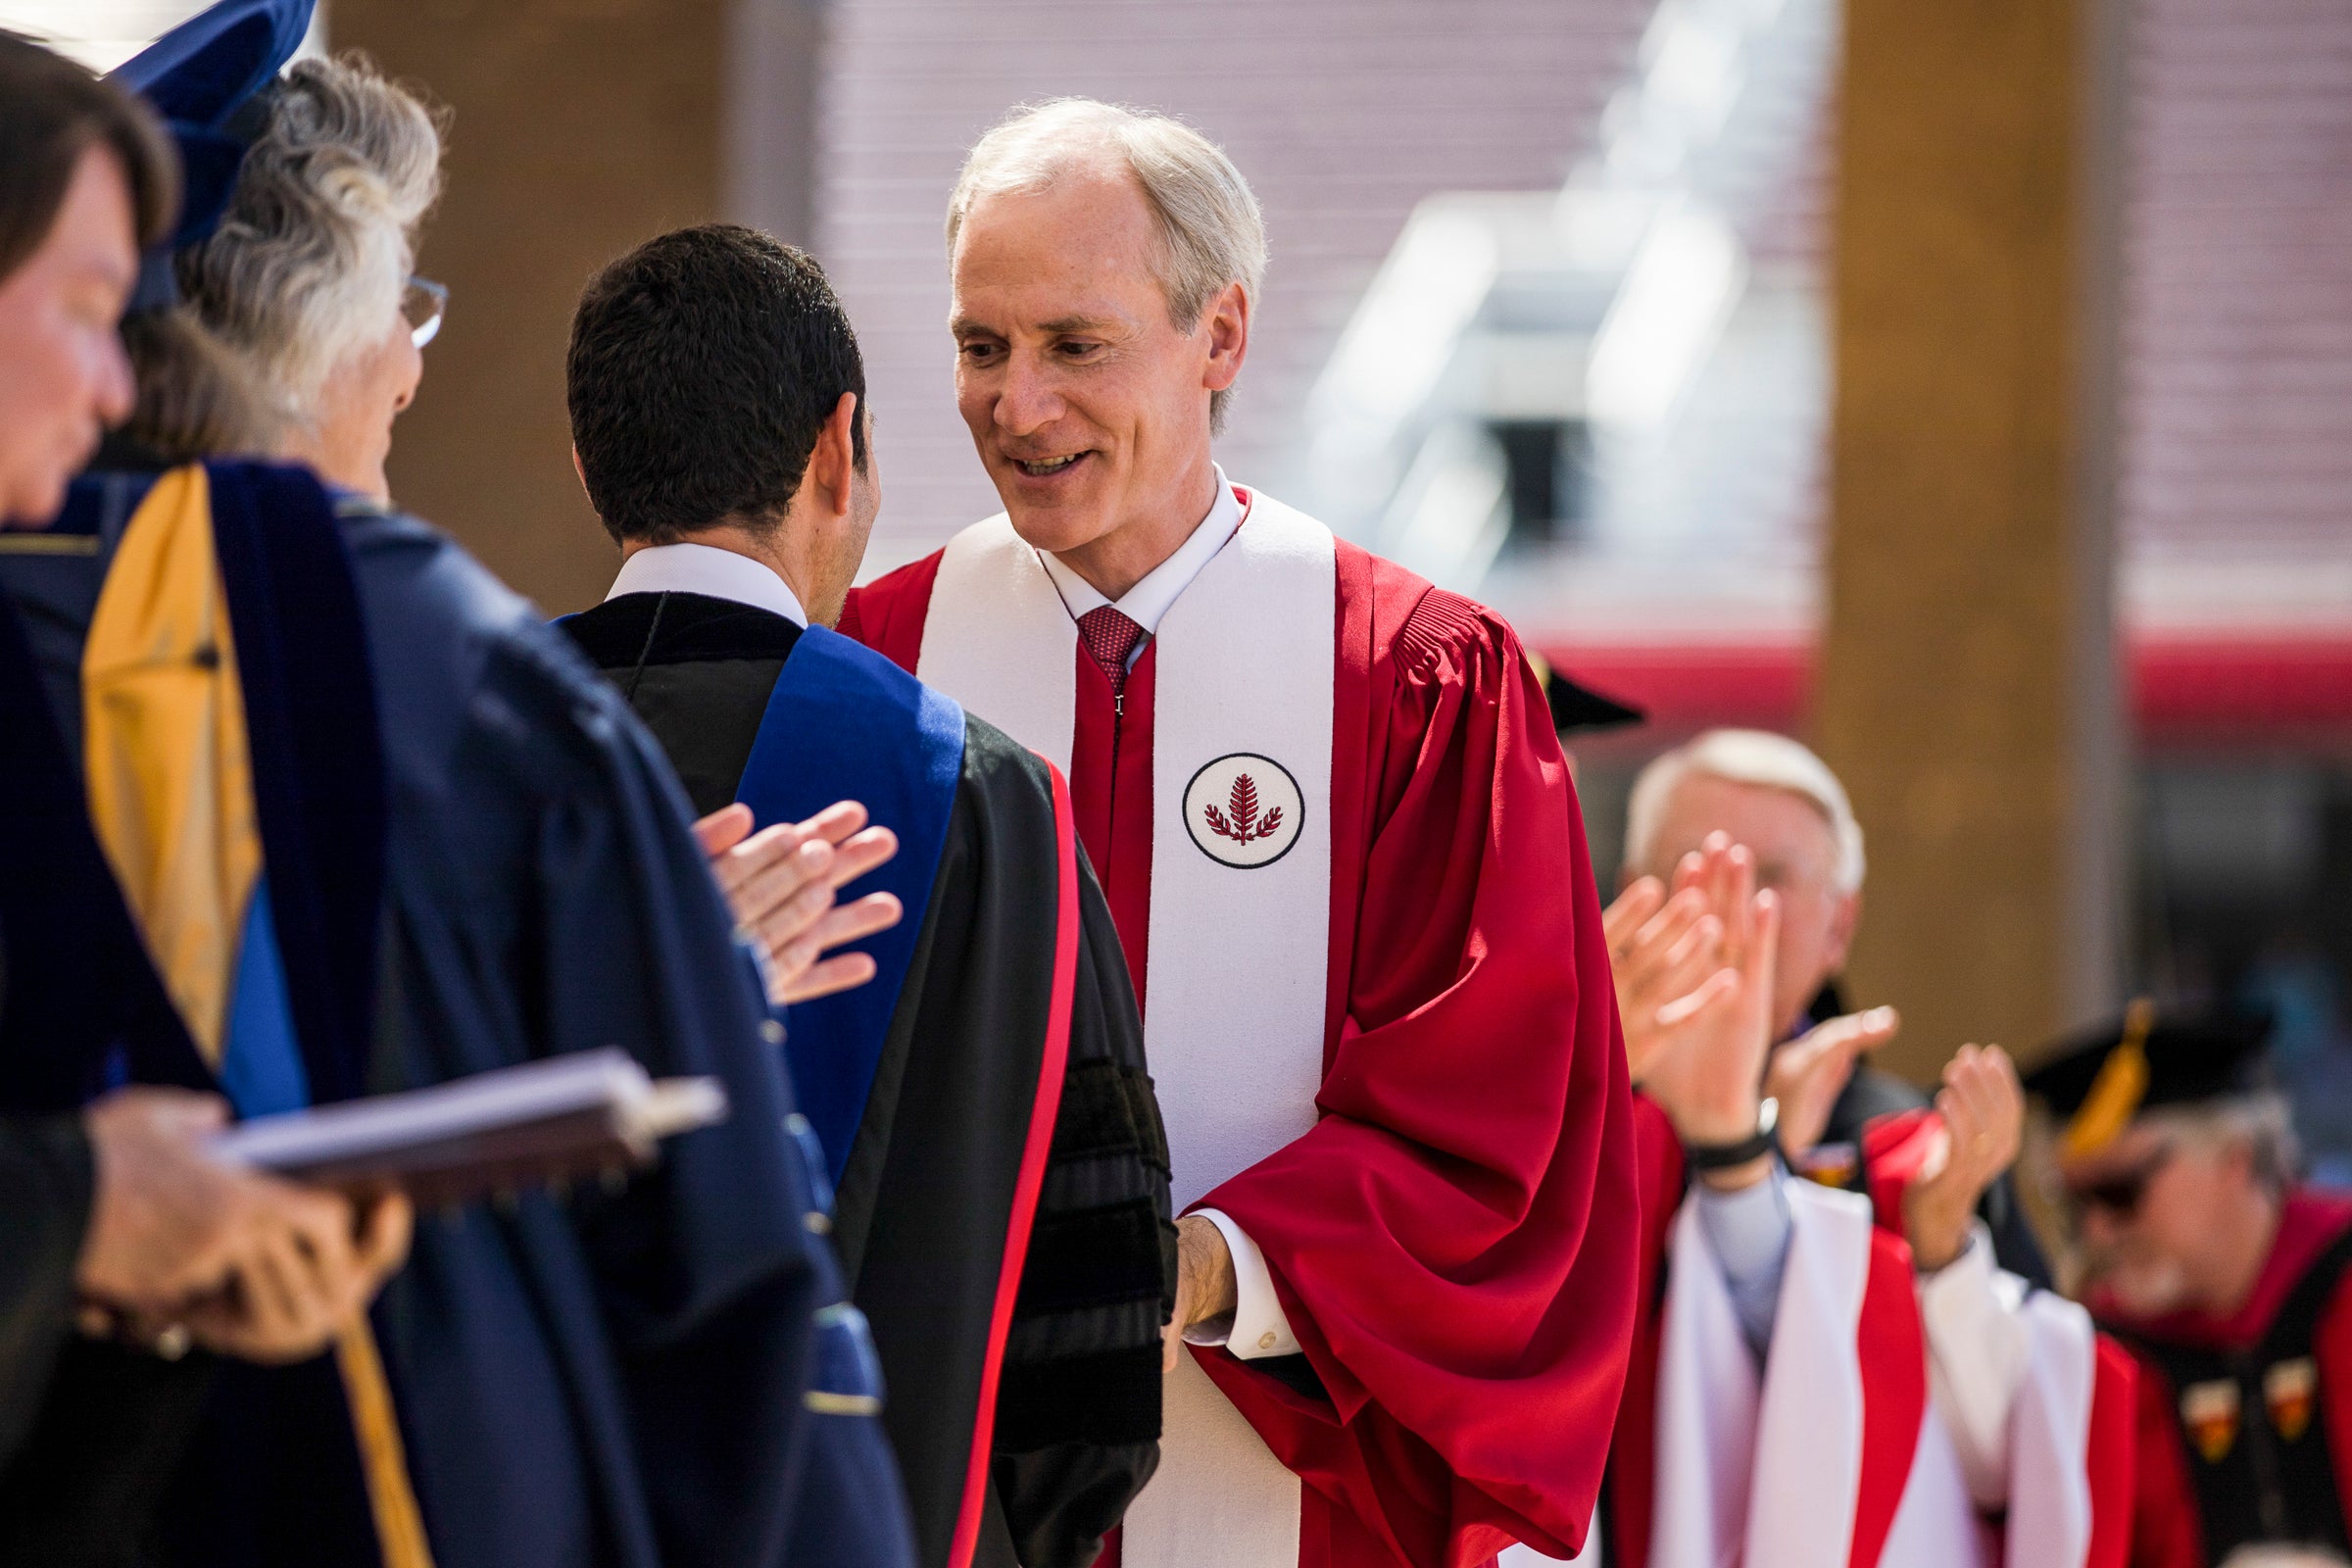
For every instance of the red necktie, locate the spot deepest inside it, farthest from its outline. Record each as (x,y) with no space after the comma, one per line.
(1110,637)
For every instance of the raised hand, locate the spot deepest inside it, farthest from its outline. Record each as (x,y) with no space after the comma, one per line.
(1983,1111)
(1808,1073)
(1660,949)
(1708,1075)
(780,883)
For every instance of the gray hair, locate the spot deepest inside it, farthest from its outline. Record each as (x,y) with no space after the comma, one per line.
(2262,1121)
(1752,756)
(1212,231)
(310,259)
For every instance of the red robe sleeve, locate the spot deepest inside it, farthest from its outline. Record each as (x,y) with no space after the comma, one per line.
(1455,1242)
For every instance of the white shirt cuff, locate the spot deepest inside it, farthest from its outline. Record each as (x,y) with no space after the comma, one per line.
(1258,1327)
(1977,1350)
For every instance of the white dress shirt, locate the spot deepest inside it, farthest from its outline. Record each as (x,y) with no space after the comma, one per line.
(1750,1230)
(710,571)
(1146,603)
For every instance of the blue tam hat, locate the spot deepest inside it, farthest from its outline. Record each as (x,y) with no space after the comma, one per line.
(206,77)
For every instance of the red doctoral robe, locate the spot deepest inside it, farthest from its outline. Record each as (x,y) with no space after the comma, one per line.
(2167,1528)
(1455,1240)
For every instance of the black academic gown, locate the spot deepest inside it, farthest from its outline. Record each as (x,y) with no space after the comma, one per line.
(46,1182)
(930,1155)
(613,1379)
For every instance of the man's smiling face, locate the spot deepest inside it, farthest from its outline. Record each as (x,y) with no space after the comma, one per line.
(1089,407)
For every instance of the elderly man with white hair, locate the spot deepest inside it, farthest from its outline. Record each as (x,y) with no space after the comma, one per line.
(1794,1336)
(1344,854)
(1775,795)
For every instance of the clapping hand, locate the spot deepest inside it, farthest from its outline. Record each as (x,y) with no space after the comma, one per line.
(1809,1072)
(1983,1111)
(1708,1073)
(780,883)
(1662,947)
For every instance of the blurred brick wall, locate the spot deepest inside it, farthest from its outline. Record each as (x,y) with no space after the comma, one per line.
(580,127)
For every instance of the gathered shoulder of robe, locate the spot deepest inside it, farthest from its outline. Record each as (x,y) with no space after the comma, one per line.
(751,706)
(616,1378)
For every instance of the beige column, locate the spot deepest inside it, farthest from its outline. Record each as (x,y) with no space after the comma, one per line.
(1968,689)
(579,128)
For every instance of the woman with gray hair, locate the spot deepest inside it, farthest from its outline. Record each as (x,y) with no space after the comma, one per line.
(473,858)
(308,275)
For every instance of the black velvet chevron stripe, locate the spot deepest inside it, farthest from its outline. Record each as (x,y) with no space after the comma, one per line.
(1107,1399)
(1092,1258)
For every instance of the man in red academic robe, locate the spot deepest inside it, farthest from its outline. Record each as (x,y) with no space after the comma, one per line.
(1800,1396)
(2221,1272)
(1345,857)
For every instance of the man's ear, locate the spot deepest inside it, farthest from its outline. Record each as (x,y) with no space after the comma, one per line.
(1227,323)
(579,469)
(833,462)
(1844,919)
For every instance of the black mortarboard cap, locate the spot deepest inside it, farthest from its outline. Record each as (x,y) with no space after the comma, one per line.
(1579,709)
(2097,1081)
(203,78)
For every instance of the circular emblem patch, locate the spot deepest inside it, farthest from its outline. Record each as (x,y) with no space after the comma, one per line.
(1244,810)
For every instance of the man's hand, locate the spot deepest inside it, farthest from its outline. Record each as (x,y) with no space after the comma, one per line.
(293,1304)
(1660,949)
(253,1265)
(1809,1072)
(1983,1111)
(779,885)
(1204,1284)
(1708,1078)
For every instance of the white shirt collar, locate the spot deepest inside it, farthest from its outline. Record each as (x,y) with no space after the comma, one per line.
(1147,603)
(711,571)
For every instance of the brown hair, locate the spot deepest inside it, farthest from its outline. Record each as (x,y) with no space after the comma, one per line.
(51,112)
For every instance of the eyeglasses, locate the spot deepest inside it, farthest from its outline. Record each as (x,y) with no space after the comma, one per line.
(422,303)
(2122,1193)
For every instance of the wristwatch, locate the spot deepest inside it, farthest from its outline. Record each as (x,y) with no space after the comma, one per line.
(1723,1156)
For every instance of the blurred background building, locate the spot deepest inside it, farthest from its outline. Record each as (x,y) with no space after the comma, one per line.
(1562,296)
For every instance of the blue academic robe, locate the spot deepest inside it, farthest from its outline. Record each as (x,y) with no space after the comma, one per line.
(474,858)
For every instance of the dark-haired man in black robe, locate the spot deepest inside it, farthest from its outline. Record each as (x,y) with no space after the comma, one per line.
(1003,1176)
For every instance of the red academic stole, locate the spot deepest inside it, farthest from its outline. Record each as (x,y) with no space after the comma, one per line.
(1240,911)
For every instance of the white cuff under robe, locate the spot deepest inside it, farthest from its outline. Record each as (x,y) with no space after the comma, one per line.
(1258,1327)
(1973,1312)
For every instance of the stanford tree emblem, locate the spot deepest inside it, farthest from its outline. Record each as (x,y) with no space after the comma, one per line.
(1242,811)
(1245,826)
